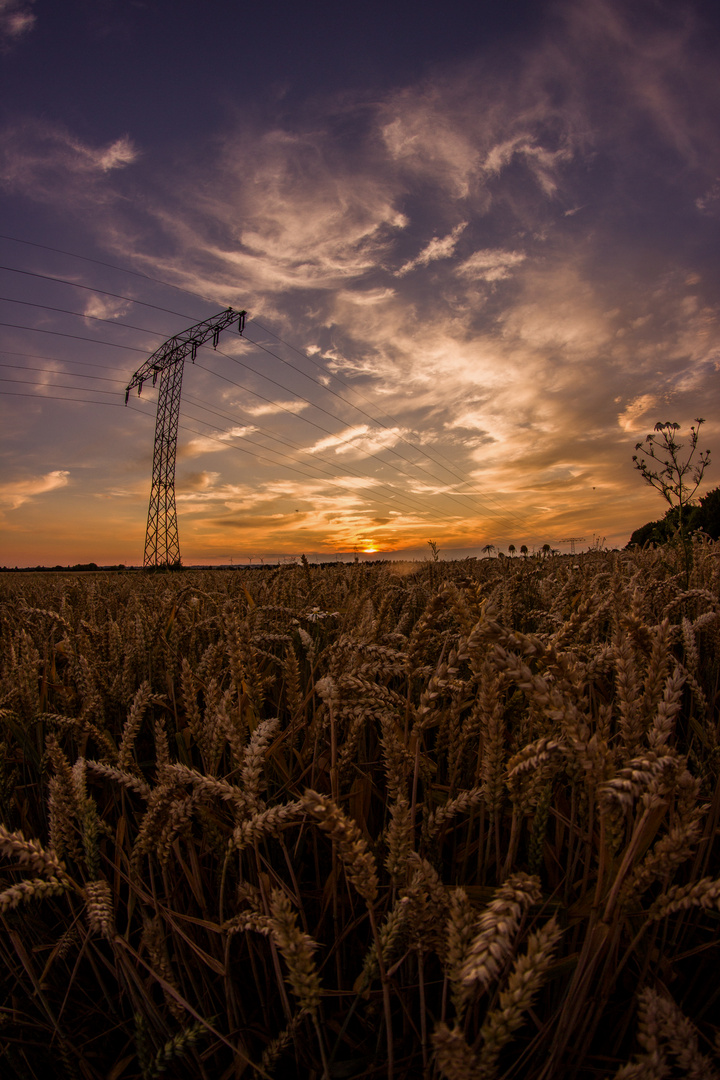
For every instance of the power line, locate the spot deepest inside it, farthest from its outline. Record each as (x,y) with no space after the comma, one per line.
(75,337)
(397,496)
(60,360)
(155,307)
(204,435)
(425,453)
(354,390)
(333,434)
(77,401)
(60,386)
(90,288)
(361,495)
(81,315)
(206,407)
(464,479)
(110,266)
(454,497)
(54,371)
(400,438)
(236,446)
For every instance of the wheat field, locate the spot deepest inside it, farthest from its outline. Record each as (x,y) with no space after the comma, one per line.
(447,819)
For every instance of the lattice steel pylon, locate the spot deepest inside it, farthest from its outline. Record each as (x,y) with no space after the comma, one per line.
(572,541)
(162,547)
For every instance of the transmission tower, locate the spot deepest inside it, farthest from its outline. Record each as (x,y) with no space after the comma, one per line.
(572,541)
(161,538)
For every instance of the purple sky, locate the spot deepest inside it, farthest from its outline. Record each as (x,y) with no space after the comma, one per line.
(477,244)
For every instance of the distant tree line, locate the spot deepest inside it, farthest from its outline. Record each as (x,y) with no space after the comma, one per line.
(50,569)
(704,515)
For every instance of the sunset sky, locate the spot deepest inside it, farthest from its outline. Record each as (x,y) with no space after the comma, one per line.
(477,243)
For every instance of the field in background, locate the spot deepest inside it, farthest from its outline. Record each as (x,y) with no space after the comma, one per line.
(448,820)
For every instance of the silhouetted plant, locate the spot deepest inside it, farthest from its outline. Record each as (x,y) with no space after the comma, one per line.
(675,479)
(434,549)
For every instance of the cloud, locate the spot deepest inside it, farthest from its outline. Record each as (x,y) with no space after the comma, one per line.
(368,297)
(634,410)
(438,248)
(100,307)
(272,408)
(543,163)
(360,441)
(16,492)
(709,203)
(46,162)
(423,137)
(16,19)
(295,212)
(212,444)
(490,265)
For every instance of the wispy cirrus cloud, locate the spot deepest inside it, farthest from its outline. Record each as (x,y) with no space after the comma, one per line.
(359,441)
(490,265)
(50,164)
(102,307)
(273,408)
(16,19)
(438,248)
(212,444)
(15,493)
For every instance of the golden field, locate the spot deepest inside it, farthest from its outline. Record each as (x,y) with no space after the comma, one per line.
(442,819)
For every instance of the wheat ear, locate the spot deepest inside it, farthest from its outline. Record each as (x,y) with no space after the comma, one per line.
(495,930)
(297,951)
(704,893)
(399,839)
(460,932)
(29,853)
(99,908)
(351,845)
(454,1058)
(525,980)
(132,726)
(34,889)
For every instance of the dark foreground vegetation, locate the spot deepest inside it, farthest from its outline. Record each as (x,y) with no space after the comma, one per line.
(704,515)
(448,820)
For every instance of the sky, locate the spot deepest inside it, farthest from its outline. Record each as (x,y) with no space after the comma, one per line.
(477,244)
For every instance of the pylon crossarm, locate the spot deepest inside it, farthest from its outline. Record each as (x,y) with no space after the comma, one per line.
(175,349)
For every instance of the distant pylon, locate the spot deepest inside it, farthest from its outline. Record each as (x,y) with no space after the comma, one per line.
(162,547)
(572,541)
